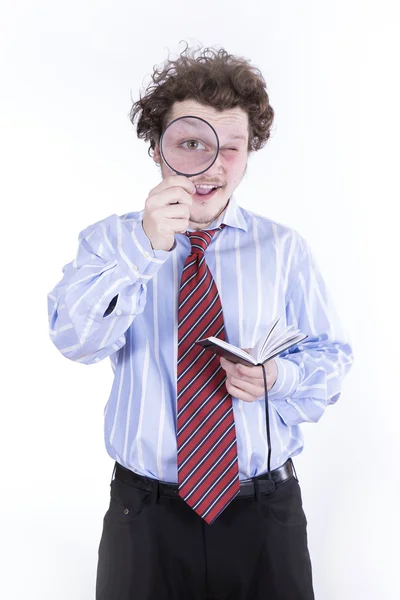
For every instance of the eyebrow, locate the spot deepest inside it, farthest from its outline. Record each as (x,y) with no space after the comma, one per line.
(193,121)
(239,137)
(230,138)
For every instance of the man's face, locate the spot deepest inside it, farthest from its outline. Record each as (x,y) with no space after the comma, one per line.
(228,170)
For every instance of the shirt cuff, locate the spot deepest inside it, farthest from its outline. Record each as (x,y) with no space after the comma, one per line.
(146,247)
(287,381)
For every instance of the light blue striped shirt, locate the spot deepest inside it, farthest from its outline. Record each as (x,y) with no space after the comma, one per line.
(262,270)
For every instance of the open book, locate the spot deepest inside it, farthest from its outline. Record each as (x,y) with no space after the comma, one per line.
(268,346)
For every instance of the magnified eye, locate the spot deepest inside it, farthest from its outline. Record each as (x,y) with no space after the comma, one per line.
(193,145)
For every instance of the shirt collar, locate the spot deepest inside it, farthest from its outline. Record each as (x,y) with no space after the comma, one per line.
(232,216)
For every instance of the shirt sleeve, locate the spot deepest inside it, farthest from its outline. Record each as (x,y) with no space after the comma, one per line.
(103,289)
(310,374)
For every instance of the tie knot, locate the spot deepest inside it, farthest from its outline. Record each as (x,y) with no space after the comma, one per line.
(201,239)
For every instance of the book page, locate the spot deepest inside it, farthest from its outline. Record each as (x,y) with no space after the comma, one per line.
(257,351)
(281,338)
(281,349)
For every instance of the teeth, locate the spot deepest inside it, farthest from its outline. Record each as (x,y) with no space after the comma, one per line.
(206,187)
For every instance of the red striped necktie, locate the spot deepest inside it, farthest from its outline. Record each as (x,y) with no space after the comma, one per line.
(208,475)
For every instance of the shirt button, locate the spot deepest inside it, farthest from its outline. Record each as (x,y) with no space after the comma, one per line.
(118,312)
(126,511)
(135,267)
(146,254)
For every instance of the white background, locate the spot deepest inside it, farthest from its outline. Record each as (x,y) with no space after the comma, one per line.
(69,157)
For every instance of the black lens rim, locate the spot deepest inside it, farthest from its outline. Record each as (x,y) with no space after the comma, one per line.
(162,153)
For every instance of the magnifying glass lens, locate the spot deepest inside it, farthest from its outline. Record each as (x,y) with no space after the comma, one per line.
(189,146)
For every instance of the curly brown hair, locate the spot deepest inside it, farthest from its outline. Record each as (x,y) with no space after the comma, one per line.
(214,78)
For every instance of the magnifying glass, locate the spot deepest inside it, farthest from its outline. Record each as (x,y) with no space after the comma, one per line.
(189,146)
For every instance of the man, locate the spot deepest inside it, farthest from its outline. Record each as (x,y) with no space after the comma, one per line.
(193,512)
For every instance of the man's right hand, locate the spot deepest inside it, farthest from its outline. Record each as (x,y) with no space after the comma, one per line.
(167,211)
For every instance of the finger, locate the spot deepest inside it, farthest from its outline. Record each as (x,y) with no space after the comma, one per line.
(238,393)
(169,196)
(174,181)
(252,372)
(179,225)
(250,388)
(175,211)
(228,365)
(241,370)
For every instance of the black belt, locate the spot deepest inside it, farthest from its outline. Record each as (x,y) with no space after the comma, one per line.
(146,484)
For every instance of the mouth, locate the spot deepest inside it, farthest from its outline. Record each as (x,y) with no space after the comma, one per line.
(206,191)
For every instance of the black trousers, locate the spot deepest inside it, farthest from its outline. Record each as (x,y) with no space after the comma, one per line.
(156,547)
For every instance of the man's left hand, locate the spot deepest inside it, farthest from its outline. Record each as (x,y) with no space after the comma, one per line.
(247,383)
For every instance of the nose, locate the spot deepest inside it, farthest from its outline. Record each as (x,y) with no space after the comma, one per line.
(216,168)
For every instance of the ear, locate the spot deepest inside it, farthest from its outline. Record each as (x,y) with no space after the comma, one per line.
(157,155)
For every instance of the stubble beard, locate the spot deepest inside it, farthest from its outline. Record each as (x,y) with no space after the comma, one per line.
(206,219)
